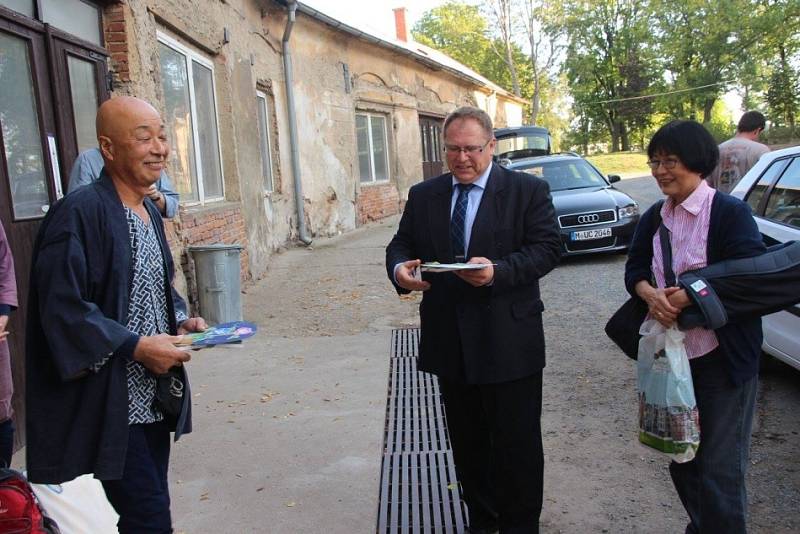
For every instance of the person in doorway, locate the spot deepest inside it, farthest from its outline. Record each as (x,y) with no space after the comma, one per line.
(481,329)
(705,227)
(88,165)
(8,303)
(105,382)
(738,154)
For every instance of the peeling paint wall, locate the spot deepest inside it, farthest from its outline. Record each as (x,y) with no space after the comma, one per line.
(337,75)
(249,61)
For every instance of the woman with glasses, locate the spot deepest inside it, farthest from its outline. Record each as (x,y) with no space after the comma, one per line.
(705,226)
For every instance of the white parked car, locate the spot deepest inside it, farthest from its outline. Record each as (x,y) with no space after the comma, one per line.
(772,189)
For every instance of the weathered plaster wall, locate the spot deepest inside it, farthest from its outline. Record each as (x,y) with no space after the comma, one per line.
(380,81)
(249,60)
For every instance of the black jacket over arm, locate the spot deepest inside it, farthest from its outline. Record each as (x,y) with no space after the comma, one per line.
(493,333)
(732,233)
(743,288)
(77,420)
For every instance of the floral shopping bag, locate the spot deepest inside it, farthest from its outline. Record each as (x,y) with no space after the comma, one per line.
(668,417)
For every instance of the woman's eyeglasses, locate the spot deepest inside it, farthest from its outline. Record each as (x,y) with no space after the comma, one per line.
(668,163)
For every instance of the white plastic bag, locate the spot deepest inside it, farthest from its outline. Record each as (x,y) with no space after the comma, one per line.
(668,417)
(79,506)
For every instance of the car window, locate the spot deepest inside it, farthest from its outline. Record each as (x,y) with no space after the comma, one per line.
(523,145)
(568,174)
(783,204)
(755,195)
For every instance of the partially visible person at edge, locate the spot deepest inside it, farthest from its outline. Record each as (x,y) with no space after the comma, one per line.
(738,154)
(88,165)
(8,303)
(481,330)
(102,323)
(705,226)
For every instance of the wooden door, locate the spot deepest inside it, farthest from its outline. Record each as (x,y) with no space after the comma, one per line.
(81,86)
(50,86)
(430,130)
(29,171)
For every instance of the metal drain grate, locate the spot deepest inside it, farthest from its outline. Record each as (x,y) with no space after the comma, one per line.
(419,489)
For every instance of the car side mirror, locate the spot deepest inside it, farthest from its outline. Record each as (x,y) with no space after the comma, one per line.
(612,178)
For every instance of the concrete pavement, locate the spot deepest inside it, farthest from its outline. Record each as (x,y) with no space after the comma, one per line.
(288,427)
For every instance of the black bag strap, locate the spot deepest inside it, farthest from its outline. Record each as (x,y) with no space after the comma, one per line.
(666,255)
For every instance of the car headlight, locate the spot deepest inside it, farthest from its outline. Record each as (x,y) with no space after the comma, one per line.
(631,210)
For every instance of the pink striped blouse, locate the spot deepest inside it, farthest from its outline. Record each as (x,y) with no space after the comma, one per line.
(688,233)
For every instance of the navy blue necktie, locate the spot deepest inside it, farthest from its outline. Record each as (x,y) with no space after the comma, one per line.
(457,222)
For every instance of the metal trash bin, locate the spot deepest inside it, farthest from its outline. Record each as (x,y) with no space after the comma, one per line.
(217,270)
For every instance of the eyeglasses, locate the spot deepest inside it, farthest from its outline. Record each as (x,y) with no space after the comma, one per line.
(472,149)
(668,163)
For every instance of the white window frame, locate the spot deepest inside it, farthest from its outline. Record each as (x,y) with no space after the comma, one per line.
(191,55)
(373,179)
(261,96)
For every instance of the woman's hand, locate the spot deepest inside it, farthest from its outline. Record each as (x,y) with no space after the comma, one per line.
(679,298)
(658,302)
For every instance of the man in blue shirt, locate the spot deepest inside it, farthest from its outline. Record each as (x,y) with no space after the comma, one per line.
(88,165)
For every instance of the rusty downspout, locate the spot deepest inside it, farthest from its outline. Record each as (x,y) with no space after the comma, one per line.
(291,5)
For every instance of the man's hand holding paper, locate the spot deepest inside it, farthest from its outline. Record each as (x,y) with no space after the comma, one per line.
(478,277)
(407,275)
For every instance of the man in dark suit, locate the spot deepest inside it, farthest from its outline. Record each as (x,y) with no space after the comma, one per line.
(482,329)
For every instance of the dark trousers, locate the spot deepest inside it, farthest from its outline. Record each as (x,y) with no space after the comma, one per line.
(712,486)
(495,433)
(6,442)
(141,497)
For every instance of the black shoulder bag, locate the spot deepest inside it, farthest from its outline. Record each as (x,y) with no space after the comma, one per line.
(623,327)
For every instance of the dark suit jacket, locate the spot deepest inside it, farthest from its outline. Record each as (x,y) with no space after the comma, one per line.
(487,334)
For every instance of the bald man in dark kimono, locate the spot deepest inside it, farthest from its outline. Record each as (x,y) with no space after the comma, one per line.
(102,326)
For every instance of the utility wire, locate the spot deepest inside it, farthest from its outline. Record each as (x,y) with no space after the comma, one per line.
(642,97)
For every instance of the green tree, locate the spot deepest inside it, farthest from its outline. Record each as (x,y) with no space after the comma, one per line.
(503,45)
(543,34)
(700,41)
(459,31)
(782,95)
(610,64)
(775,38)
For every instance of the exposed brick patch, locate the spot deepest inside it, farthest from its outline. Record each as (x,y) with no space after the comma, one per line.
(214,225)
(116,36)
(376,202)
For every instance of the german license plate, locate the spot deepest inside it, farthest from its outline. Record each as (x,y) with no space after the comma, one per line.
(597,233)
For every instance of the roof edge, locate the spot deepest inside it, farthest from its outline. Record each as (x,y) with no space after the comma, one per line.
(431,63)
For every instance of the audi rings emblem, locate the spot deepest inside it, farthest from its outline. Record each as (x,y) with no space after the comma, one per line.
(588,219)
